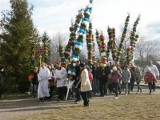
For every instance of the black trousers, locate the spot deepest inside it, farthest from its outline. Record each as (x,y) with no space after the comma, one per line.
(115,86)
(153,86)
(132,85)
(78,95)
(119,88)
(62,92)
(103,87)
(1,90)
(150,86)
(85,98)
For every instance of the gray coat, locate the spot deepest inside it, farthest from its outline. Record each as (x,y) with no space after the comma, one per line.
(126,76)
(138,76)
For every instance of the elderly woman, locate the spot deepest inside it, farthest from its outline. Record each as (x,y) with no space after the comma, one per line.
(149,78)
(115,76)
(85,84)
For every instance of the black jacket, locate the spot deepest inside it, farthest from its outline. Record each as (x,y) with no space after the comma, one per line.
(104,72)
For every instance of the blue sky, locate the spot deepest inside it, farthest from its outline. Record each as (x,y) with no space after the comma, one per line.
(55,16)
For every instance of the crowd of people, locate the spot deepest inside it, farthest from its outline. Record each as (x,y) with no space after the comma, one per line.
(51,80)
(90,80)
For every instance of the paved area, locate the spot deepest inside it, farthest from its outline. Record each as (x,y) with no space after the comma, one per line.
(10,109)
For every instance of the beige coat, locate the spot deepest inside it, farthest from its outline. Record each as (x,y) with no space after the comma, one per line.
(85,82)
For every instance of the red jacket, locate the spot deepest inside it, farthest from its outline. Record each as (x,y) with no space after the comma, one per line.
(149,77)
(90,77)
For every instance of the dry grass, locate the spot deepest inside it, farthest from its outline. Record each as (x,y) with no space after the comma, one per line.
(131,107)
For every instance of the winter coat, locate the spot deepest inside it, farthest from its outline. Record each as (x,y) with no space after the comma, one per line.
(126,76)
(115,75)
(154,70)
(35,78)
(133,75)
(104,73)
(138,76)
(149,77)
(85,82)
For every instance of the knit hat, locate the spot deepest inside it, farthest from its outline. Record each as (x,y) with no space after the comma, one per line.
(82,65)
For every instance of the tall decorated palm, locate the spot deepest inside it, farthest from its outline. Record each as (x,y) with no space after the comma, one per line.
(46,47)
(111,44)
(73,29)
(61,54)
(78,44)
(102,48)
(133,40)
(94,50)
(90,44)
(120,49)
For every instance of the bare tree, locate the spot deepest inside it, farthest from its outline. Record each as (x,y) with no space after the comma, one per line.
(145,48)
(58,41)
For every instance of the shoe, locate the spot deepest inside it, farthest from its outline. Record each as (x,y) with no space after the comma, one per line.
(41,99)
(97,94)
(87,105)
(116,98)
(77,101)
(49,98)
(102,95)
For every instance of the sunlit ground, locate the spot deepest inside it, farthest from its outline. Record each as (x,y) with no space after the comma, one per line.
(132,107)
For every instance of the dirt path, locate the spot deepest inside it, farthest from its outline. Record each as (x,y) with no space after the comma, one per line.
(10,109)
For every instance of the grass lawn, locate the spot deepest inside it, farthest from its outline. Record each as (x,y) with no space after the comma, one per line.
(131,107)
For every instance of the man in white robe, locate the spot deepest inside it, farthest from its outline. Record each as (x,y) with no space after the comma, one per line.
(60,75)
(43,77)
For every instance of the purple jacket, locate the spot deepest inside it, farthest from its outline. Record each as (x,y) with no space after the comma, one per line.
(115,76)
